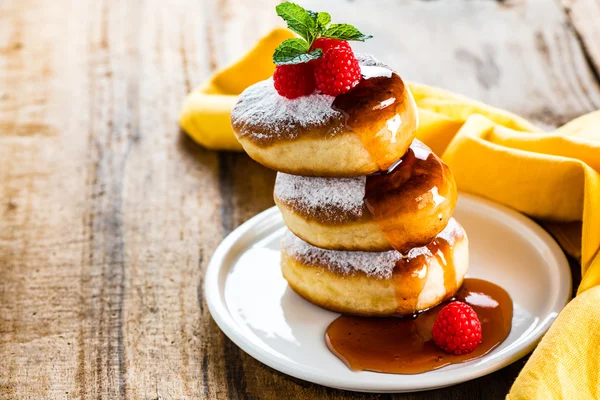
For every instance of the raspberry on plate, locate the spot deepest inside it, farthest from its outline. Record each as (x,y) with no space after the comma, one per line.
(327,43)
(457,329)
(337,71)
(294,80)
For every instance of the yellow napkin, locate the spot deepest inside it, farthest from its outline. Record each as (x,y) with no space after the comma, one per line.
(553,177)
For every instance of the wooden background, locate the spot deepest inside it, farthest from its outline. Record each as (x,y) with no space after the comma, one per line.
(109,214)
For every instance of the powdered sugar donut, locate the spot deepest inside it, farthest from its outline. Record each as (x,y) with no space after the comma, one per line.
(357,133)
(378,283)
(401,209)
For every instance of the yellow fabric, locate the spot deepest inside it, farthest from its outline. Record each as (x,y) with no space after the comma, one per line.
(553,177)
(565,364)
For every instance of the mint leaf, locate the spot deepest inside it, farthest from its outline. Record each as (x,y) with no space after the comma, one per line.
(345,32)
(298,20)
(294,51)
(323,19)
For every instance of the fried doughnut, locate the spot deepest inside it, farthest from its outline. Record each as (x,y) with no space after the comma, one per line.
(400,209)
(377,283)
(357,133)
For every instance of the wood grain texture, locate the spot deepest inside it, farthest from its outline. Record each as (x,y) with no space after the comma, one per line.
(583,17)
(109,214)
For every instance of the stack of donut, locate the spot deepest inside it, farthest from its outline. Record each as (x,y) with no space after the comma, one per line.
(368,206)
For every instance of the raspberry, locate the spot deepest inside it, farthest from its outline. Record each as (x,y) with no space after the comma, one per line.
(457,329)
(337,71)
(294,80)
(328,43)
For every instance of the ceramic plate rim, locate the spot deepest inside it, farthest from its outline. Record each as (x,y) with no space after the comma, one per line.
(220,313)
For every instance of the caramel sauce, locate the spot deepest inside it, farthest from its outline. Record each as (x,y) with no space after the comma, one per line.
(410,272)
(409,278)
(376,110)
(405,346)
(442,249)
(449,272)
(418,184)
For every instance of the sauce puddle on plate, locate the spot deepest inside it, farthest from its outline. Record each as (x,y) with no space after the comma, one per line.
(404,345)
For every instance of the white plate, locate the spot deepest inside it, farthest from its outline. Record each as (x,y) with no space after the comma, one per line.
(252,304)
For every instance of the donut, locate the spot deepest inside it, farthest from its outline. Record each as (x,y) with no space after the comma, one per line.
(357,133)
(402,208)
(377,283)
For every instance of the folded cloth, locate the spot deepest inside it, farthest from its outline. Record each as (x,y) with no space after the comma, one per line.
(551,176)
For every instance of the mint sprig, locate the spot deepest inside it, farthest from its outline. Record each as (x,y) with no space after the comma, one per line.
(295,51)
(310,26)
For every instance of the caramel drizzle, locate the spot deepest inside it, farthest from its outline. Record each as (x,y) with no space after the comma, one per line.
(411,185)
(376,109)
(409,278)
(411,273)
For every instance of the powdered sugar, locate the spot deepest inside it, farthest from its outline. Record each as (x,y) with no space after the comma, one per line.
(368,60)
(261,112)
(378,265)
(333,200)
(262,115)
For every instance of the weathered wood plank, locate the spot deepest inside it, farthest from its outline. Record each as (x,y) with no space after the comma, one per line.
(583,17)
(104,181)
(170,211)
(41,201)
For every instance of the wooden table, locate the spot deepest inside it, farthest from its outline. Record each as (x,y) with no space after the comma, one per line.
(109,214)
